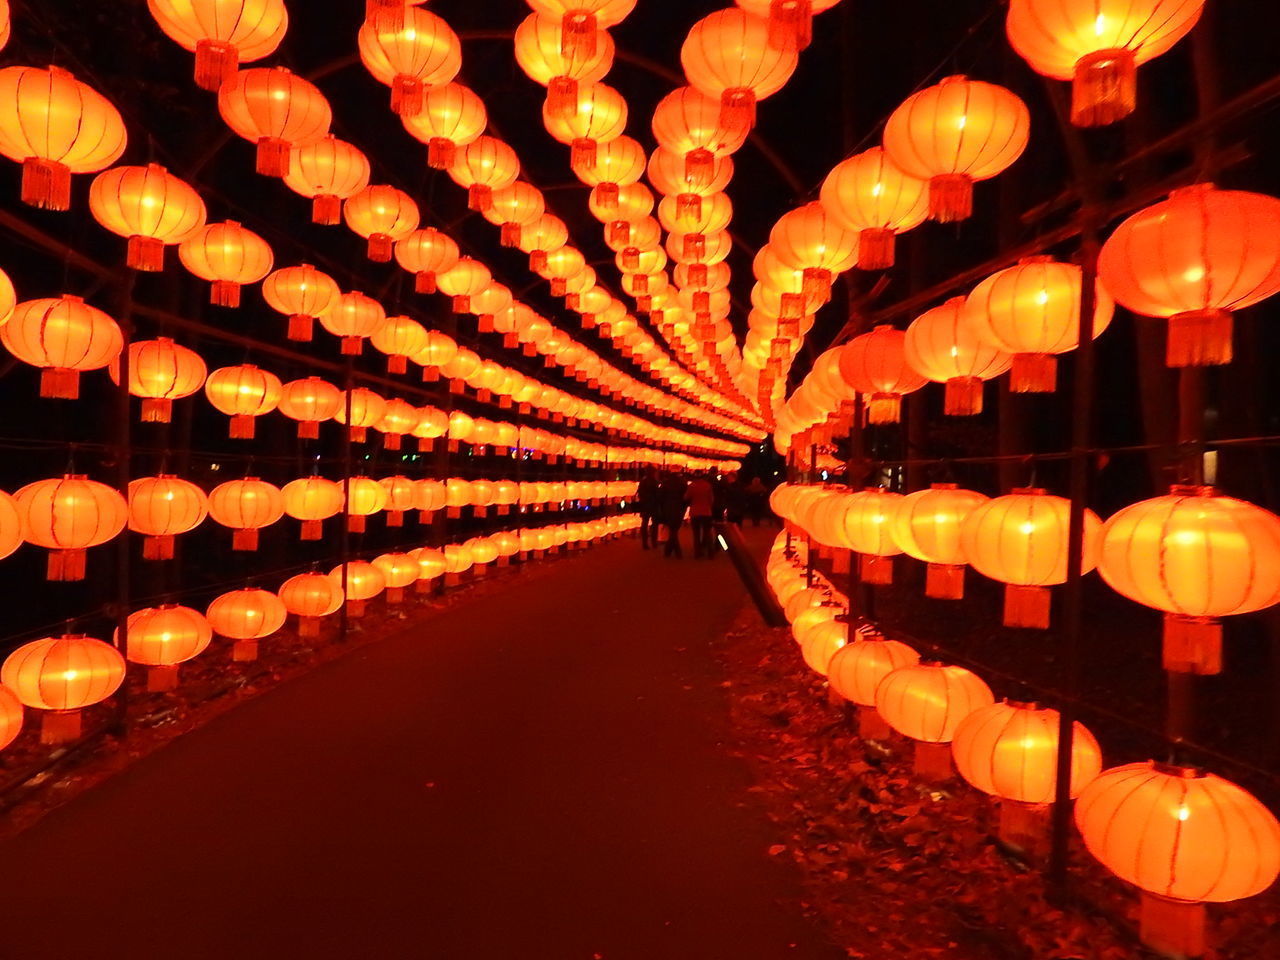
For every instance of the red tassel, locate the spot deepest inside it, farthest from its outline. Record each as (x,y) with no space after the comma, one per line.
(1192,645)
(578,35)
(1199,338)
(462,304)
(395,518)
(391,441)
(242,427)
(311,530)
(300,328)
(308,429)
(157,410)
(162,678)
(875,248)
(406,95)
(944,581)
(157,548)
(583,152)
(607,196)
(479,197)
(950,197)
(224,293)
(1026,606)
(562,96)
(59,726)
(875,569)
(441,152)
(356,608)
(538,261)
(816,285)
(216,62)
(737,111)
(558,286)
(380,248)
(66,565)
(145,253)
(359,434)
(245,539)
(1105,87)
(273,157)
(1033,373)
(485,323)
(697,274)
(619,233)
(60,382)
(430,374)
(424,281)
(509,235)
(699,167)
(308,626)
(790,24)
(46,184)
(355,523)
(326,209)
(397,363)
(352,346)
(631,258)
(244,651)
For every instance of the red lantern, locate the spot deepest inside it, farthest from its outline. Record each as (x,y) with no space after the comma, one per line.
(222,33)
(160,508)
(67,515)
(410,50)
(328,171)
(243,393)
(361,581)
(301,293)
(312,500)
(275,109)
(365,497)
(942,347)
(869,194)
(246,506)
(382,215)
(927,702)
(600,116)
(360,409)
(512,207)
(353,318)
(63,675)
(926,525)
(462,281)
(310,401)
(160,638)
(451,117)
(542,54)
(228,256)
(246,616)
(63,336)
(581,21)
(160,371)
(875,364)
(399,338)
(482,166)
(426,253)
(310,597)
(148,206)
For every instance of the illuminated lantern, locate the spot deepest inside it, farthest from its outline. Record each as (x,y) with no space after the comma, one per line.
(464,363)
(1197,556)
(148,206)
(457,560)
(160,638)
(312,500)
(430,563)
(512,207)
(246,506)
(855,670)
(63,336)
(727,55)
(382,215)
(8,298)
(488,303)
(953,134)
(399,570)
(402,496)
(439,350)
(1194,259)
(399,338)
(868,528)
(228,256)
(301,293)
(10,705)
(926,526)
(354,317)
(432,423)
(67,515)
(63,675)
(822,642)
(560,266)
(222,33)
(808,239)
(243,393)
(160,508)
(869,194)
(616,164)
(687,122)
(55,126)
(942,347)
(5,29)
(927,702)
(790,21)
(275,109)
(426,253)
(246,616)
(365,497)
(452,116)
(540,237)
(1020,539)
(160,371)
(1032,311)
(600,116)
(328,171)
(482,166)
(542,55)
(1183,837)
(310,401)
(581,21)
(457,492)
(409,50)
(310,597)
(462,281)
(360,581)
(11,530)
(360,408)
(398,418)
(875,364)
(1098,46)
(668,172)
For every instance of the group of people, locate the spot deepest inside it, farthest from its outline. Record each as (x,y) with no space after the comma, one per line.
(664,501)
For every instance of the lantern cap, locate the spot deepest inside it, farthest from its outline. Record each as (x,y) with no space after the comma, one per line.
(1177,770)
(1194,490)
(1028,491)
(1204,186)
(954,78)
(1021,704)
(944,486)
(1035,258)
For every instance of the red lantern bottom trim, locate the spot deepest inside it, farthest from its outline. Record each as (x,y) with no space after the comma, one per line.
(1172,928)
(242,427)
(950,197)
(244,651)
(215,62)
(396,363)
(300,328)
(944,581)
(884,408)
(1104,88)
(1024,827)
(1033,373)
(162,678)
(424,281)
(582,153)
(352,346)
(932,761)
(272,158)
(395,518)
(158,548)
(245,539)
(875,569)
(144,253)
(59,726)
(872,726)
(1026,607)
(1199,338)
(224,293)
(962,397)
(311,530)
(356,609)
(479,197)
(395,594)
(66,565)
(308,429)
(157,410)
(441,153)
(326,209)
(355,523)
(308,626)
(60,383)
(379,248)
(46,184)
(1192,645)
(876,248)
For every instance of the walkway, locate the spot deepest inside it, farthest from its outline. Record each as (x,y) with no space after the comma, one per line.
(534,777)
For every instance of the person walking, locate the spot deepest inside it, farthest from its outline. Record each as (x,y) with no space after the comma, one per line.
(648,502)
(702,499)
(733,496)
(671,507)
(757,496)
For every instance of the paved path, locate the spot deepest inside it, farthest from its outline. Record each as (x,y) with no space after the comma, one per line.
(532,777)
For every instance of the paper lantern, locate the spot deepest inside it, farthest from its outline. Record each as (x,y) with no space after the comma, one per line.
(687,122)
(927,702)
(312,500)
(581,21)
(160,508)
(222,33)
(616,164)
(1020,539)
(1098,46)
(926,525)
(243,393)
(600,116)
(513,206)
(382,215)
(402,496)
(727,55)
(942,347)
(822,642)
(361,581)
(310,401)
(360,408)
(855,671)
(228,256)
(310,597)
(560,266)
(482,166)
(410,50)
(301,293)
(1194,259)
(246,616)
(875,364)
(327,170)
(430,563)
(868,523)
(451,116)
(809,239)
(63,336)
(8,298)
(148,206)
(539,237)
(66,515)
(462,281)
(399,338)
(955,133)
(160,371)
(11,530)
(398,418)
(246,506)
(365,497)
(352,318)
(870,194)
(63,675)
(275,109)
(426,253)
(790,21)
(545,58)
(1032,311)
(399,570)
(10,705)
(55,126)
(1196,556)
(439,349)
(160,638)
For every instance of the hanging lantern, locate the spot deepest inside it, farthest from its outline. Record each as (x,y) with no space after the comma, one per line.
(301,293)
(410,50)
(540,237)
(927,702)
(439,349)
(67,515)
(856,669)
(618,163)
(926,525)
(63,675)
(160,371)
(953,134)
(1194,259)
(426,253)
(10,705)
(275,109)
(868,193)
(462,281)
(1197,556)
(942,347)
(63,336)
(327,170)
(382,215)
(512,207)
(160,508)
(310,401)
(312,500)
(875,364)
(668,172)
(246,616)
(1020,539)
(560,267)
(482,166)
(808,239)
(402,496)
(365,497)
(601,116)
(243,393)
(399,338)
(1098,46)
(222,33)
(790,21)
(687,122)
(228,256)
(361,581)
(310,597)
(583,21)
(160,638)
(55,126)
(11,532)
(148,206)
(541,53)
(399,418)
(430,564)
(352,318)
(365,407)
(399,570)
(246,506)
(451,116)
(868,524)
(1032,311)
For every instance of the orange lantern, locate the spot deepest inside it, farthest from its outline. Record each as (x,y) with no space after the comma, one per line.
(63,675)
(616,164)
(67,515)
(327,170)
(399,570)
(942,347)
(953,134)
(855,670)
(1197,556)
(451,116)
(228,256)
(365,497)
(482,166)
(600,116)
(1098,45)
(275,109)
(310,597)
(540,237)
(560,266)
(727,55)
(542,54)
(399,338)
(688,123)
(1193,259)
(301,293)
(160,508)
(398,418)
(410,50)
(869,194)
(868,528)
(713,215)
(55,126)
(808,239)
(63,336)
(927,702)
(246,506)
(426,253)
(11,531)
(246,616)
(361,581)
(462,281)
(581,21)
(309,401)
(243,393)
(354,317)
(875,364)
(790,21)
(8,298)
(10,705)
(821,642)
(439,349)
(402,496)
(1032,311)
(222,33)
(160,638)
(312,500)
(464,363)
(513,206)
(360,408)
(927,525)
(430,564)
(160,371)
(1020,539)
(148,206)
(668,172)
(382,215)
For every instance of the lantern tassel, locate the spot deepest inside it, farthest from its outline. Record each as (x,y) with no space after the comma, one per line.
(59,726)
(46,184)
(355,523)
(932,761)
(359,434)
(352,346)
(479,197)
(944,581)
(244,651)
(699,167)
(397,363)
(326,209)
(395,518)
(950,197)
(308,429)
(1033,373)
(816,285)
(162,678)
(1192,645)
(884,408)
(583,152)
(66,565)
(538,261)
(962,397)
(245,538)
(60,382)
(484,322)
(145,253)
(1026,606)
(790,24)
(562,96)
(1199,338)
(607,196)
(158,547)
(406,95)
(737,111)
(430,374)
(311,530)
(242,426)
(695,246)
(157,410)
(1104,88)
(875,569)
(216,61)
(424,281)
(697,274)
(441,152)
(509,234)
(272,159)
(308,626)
(379,249)
(391,441)
(578,36)
(1172,928)
(619,232)
(872,726)
(300,328)
(356,608)
(558,286)
(224,293)
(876,248)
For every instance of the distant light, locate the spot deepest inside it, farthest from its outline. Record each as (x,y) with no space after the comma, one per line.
(723,545)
